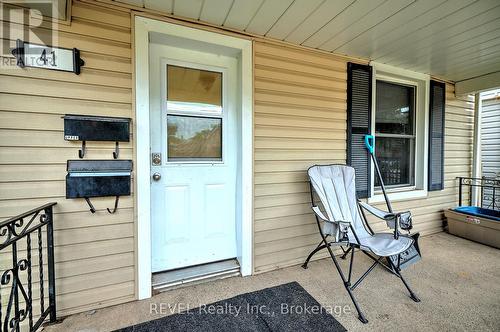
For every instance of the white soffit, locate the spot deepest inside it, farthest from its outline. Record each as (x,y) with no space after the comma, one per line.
(453,39)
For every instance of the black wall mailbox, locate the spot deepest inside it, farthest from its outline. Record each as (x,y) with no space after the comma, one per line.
(98,178)
(96,128)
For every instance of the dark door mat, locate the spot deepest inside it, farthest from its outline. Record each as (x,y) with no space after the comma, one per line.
(287,307)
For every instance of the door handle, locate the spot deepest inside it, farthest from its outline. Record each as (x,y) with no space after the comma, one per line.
(156,176)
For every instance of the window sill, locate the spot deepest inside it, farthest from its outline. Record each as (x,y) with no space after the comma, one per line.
(398,196)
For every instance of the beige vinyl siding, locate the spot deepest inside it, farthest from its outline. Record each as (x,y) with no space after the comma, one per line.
(490,137)
(490,144)
(299,121)
(94,253)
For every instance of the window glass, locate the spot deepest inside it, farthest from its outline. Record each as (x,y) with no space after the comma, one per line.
(395,133)
(395,160)
(193,138)
(395,108)
(193,90)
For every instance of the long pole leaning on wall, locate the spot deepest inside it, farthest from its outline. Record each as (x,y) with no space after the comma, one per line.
(476,152)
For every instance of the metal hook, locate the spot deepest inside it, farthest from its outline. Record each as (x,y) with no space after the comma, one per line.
(81,153)
(92,209)
(116,205)
(116,153)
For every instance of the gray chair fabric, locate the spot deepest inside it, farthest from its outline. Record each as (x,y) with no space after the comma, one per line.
(335,187)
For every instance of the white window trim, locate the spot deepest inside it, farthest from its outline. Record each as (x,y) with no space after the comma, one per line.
(422,83)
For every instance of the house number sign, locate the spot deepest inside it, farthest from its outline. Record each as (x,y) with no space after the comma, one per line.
(47,57)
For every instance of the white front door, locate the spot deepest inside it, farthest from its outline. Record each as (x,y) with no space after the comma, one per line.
(194,155)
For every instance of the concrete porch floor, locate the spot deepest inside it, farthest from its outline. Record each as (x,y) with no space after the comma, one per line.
(458,282)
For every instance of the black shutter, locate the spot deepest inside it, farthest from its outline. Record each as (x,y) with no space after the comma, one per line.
(436,135)
(359,111)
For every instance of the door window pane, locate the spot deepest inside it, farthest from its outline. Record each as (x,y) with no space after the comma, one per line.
(193,138)
(190,89)
(395,160)
(395,108)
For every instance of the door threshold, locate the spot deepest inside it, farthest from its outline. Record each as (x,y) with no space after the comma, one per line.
(166,280)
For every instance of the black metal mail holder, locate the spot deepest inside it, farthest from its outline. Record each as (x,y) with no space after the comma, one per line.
(96,128)
(98,178)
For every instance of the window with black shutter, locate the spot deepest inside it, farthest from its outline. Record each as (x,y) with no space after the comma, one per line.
(397,121)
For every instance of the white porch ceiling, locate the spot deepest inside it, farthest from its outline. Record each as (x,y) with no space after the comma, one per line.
(453,39)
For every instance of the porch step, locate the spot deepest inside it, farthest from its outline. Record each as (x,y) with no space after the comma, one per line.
(167,280)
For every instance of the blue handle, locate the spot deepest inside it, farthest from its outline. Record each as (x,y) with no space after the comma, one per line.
(369,142)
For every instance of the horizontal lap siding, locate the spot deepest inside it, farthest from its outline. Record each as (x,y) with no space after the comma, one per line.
(299,120)
(94,253)
(490,145)
(490,137)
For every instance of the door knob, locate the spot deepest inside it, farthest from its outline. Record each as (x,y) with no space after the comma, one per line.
(156,176)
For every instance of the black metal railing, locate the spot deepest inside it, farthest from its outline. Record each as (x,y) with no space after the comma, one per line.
(489,192)
(21,238)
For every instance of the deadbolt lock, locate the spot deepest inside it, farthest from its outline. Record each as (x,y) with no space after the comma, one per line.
(156,159)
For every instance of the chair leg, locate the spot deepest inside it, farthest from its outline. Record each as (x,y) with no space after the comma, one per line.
(347,286)
(345,253)
(361,316)
(320,246)
(413,296)
(324,244)
(398,274)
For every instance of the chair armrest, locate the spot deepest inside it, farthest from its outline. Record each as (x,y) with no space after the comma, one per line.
(320,214)
(323,218)
(341,227)
(393,220)
(376,211)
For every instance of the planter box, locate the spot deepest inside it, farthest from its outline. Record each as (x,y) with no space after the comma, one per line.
(474,224)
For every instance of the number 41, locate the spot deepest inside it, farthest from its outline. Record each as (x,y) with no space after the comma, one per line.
(43,57)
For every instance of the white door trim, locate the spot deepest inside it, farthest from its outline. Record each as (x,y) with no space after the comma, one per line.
(143,26)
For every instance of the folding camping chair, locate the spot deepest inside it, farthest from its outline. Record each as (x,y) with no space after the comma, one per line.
(345,224)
